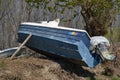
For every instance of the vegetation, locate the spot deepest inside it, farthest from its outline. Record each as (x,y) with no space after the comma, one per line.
(2,64)
(98,16)
(116,36)
(115,78)
(94,12)
(96,21)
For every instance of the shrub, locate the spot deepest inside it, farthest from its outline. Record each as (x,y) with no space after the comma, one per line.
(116,34)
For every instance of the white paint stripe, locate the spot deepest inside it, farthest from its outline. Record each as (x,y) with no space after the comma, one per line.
(53,26)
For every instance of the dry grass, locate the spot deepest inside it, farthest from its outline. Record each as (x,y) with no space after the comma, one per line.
(48,69)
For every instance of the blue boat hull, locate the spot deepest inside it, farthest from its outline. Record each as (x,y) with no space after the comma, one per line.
(70,44)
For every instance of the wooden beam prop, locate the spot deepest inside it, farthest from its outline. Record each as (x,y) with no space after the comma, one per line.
(25,41)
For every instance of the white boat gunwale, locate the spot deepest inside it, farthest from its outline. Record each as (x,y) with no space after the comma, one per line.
(57,27)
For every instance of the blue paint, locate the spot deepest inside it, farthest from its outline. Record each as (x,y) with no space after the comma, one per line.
(65,43)
(86,55)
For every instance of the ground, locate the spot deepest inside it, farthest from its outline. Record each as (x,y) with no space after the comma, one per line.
(44,68)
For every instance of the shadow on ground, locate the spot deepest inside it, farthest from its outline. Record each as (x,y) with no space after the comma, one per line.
(68,66)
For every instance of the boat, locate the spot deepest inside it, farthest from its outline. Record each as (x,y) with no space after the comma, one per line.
(59,41)
(8,52)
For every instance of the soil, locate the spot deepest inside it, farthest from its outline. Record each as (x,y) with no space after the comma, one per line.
(46,68)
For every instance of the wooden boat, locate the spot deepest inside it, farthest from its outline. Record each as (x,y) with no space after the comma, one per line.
(65,42)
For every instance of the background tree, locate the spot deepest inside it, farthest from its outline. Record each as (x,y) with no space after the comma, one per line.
(12,12)
(93,15)
(97,14)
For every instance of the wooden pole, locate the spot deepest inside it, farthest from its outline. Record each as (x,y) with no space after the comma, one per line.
(25,41)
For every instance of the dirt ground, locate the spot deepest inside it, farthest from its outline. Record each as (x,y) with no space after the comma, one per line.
(43,68)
